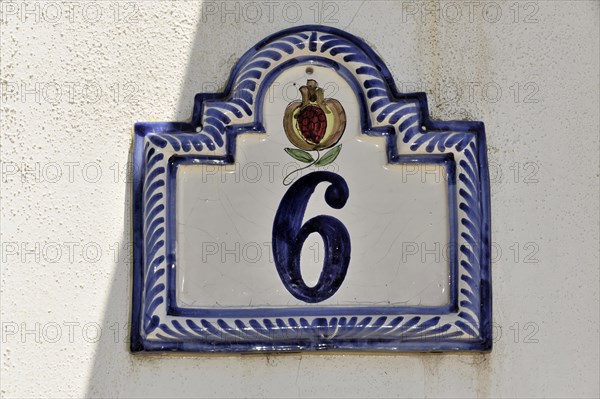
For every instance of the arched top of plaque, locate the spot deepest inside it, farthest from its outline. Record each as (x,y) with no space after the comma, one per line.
(384,111)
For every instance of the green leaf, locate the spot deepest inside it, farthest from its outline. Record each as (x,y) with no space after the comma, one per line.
(300,155)
(330,156)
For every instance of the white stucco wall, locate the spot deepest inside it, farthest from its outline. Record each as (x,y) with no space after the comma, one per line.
(529,70)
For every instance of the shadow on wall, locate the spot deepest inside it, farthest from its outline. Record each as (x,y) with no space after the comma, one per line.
(114,371)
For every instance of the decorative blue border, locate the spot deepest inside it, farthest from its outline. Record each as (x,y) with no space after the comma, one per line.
(157,324)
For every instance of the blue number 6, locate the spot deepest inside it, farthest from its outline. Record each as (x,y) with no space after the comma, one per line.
(289,235)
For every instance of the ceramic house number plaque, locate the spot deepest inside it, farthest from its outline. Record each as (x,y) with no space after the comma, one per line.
(311,206)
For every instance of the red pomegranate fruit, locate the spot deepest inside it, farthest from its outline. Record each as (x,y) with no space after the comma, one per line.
(312,123)
(315,122)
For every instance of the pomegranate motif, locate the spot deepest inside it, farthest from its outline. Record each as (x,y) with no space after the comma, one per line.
(313,124)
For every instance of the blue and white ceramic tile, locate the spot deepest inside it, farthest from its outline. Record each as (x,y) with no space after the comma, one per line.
(310,206)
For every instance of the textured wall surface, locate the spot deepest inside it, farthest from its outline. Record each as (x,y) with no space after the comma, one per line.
(76,75)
